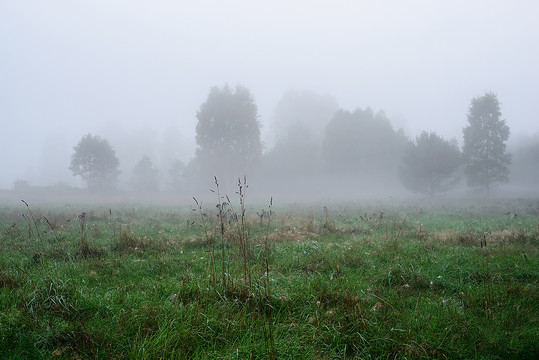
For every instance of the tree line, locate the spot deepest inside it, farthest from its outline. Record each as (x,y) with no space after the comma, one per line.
(320,144)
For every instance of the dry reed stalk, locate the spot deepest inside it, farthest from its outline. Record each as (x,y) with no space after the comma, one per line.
(222,223)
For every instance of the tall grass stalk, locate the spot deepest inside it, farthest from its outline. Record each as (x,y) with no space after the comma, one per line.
(488,297)
(267,288)
(243,240)
(31,220)
(209,242)
(82,222)
(221,206)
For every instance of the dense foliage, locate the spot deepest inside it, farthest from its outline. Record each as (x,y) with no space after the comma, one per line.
(429,164)
(361,141)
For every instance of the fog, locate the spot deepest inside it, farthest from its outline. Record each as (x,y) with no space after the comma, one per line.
(137,73)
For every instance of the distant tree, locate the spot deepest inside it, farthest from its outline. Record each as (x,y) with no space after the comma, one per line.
(485,145)
(293,162)
(228,134)
(299,120)
(176,173)
(145,176)
(303,109)
(21,185)
(191,177)
(525,162)
(361,140)
(95,161)
(429,164)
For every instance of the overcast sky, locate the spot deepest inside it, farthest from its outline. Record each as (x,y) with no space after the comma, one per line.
(140,69)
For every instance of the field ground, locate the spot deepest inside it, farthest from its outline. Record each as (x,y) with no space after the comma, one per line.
(299,282)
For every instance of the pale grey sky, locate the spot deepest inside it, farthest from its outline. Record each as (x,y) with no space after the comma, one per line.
(137,71)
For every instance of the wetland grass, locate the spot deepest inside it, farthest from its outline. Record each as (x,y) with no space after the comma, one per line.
(335,282)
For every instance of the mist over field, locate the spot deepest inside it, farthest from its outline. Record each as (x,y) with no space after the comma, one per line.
(256,179)
(311,101)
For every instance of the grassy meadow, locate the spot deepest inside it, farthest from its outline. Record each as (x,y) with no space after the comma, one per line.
(235,281)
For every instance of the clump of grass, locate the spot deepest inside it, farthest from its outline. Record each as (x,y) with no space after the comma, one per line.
(89,251)
(328,226)
(455,238)
(82,222)
(238,282)
(86,250)
(292,234)
(406,278)
(514,236)
(8,280)
(129,242)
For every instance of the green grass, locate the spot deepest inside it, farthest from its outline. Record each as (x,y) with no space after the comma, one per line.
(348,282)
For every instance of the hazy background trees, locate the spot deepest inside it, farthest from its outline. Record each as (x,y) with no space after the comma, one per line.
(362,149)
(144,94)
(305,110)
(294,162)
(95,161)
(145,176)
(293,165)
(429,164)
(228,135)
(485,143)
(361,142)
(524,168)
(319,151)
(176,174)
